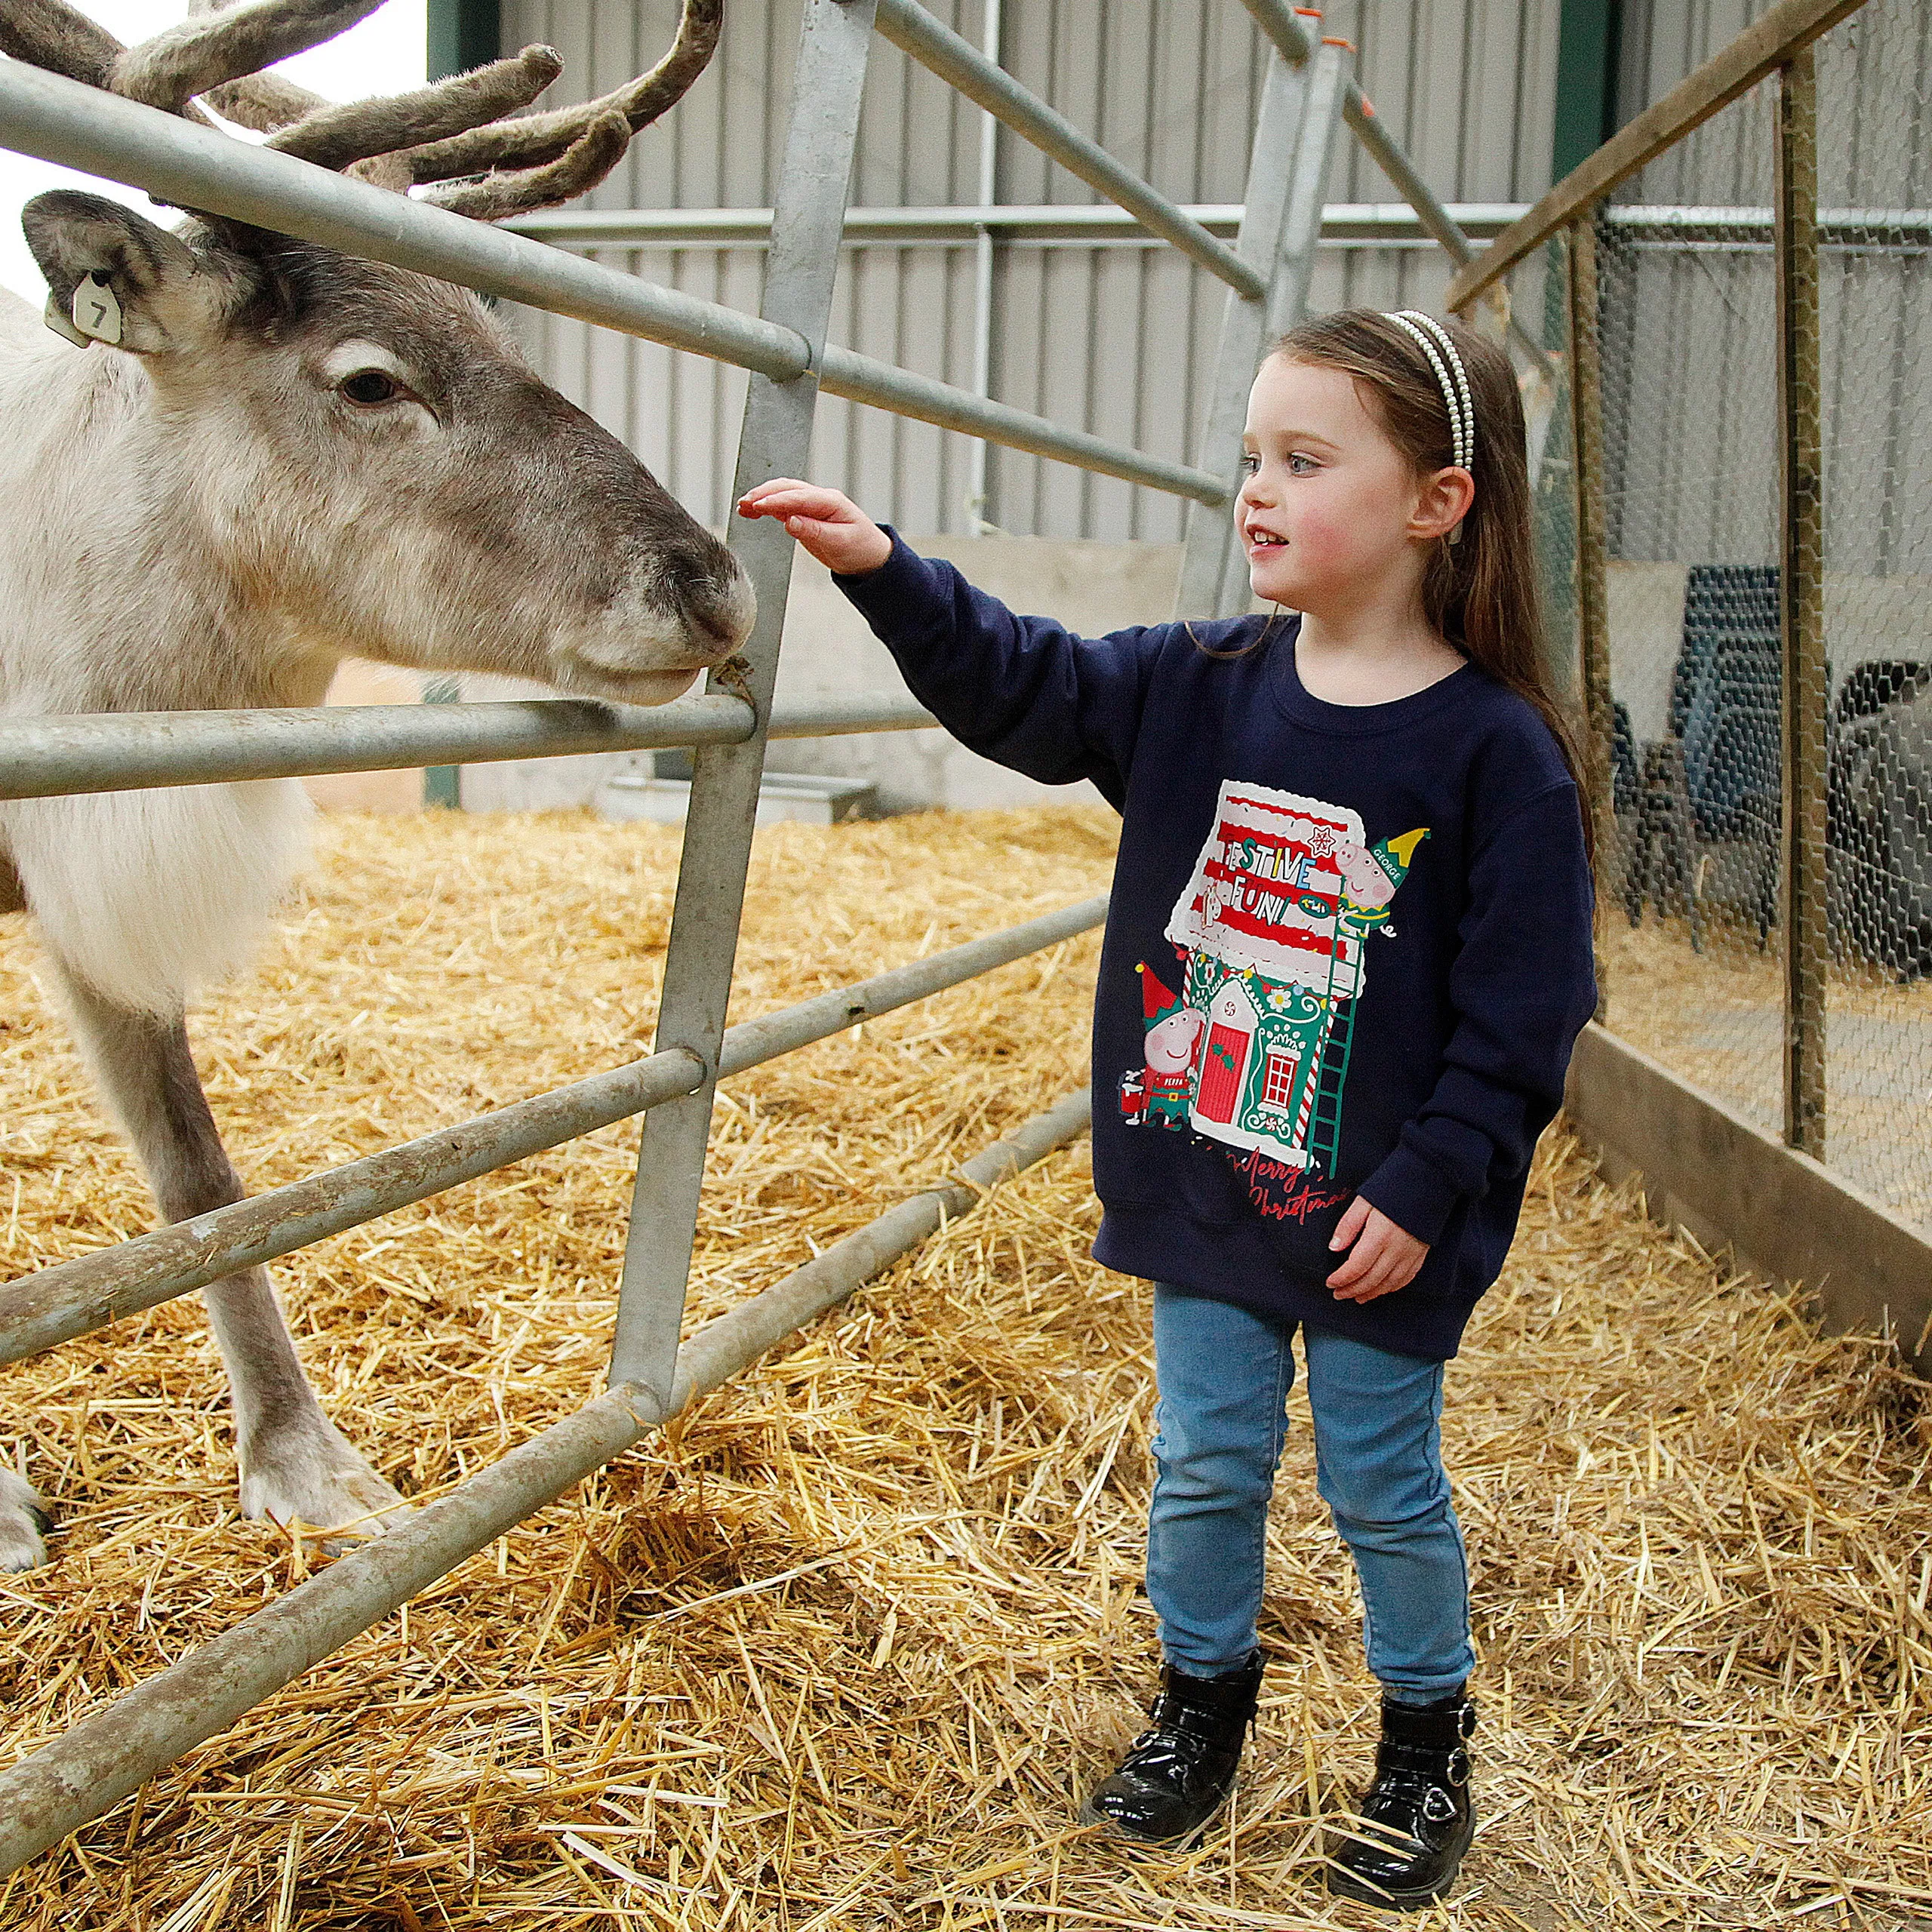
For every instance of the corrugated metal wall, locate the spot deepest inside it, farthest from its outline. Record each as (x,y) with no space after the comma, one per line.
(1116,339)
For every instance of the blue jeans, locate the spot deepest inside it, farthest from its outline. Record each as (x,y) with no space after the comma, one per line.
(1225,1374)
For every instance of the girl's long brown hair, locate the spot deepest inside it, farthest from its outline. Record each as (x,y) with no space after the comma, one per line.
(1480,593)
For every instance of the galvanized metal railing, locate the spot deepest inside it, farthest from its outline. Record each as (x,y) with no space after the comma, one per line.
(1309,94)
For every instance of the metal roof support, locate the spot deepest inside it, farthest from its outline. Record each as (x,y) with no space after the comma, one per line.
(961,65)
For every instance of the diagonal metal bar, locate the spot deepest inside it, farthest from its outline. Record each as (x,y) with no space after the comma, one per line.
(74,1297)
(960,65)
(843,372)
(64,120)
(99,1761)
(1759,50)
(1296,44)
(1276,19)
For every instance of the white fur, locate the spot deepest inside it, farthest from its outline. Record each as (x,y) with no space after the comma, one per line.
(151,896)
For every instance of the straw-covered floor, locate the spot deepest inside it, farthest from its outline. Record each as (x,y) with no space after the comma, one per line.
(841,1651)
(1714,1013)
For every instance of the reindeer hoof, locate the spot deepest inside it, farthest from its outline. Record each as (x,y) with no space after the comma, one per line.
(23,1523)
(309,1481)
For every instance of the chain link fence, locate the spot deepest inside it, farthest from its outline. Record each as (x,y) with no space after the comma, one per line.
(1701,788)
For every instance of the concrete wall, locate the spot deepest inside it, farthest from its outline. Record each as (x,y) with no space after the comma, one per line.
(1091,587)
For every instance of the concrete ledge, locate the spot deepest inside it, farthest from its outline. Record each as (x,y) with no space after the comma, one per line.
(1731,1185)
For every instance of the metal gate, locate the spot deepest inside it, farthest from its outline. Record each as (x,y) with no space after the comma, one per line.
(1308,93)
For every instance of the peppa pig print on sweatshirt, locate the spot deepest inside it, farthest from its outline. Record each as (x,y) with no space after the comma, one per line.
(1250,1046)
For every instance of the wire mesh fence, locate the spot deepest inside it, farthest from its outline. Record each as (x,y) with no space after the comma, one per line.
(1695,442)
(1875,98)
(1687,340)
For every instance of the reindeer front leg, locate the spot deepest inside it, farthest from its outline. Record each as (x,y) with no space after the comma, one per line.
(295,1463)
(23,1521)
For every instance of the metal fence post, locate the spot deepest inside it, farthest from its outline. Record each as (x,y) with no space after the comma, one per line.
(1802,606)
(1210,532)
(984,251)
(813,185)
(1553,481)
(1327,78)
(1280,228)
(1592,576)
(1329,74)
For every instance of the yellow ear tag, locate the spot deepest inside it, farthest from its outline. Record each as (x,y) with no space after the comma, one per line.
(97,313)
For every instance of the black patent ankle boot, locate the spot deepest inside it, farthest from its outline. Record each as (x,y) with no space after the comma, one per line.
(1419,1820)
(1178,1772)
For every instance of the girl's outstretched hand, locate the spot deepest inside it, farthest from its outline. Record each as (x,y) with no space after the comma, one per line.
(826,522)
(1386,1256)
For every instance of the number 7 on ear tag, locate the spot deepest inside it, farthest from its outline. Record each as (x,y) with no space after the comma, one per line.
(97,313)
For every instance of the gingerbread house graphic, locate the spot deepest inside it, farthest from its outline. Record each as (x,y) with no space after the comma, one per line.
(1253,1051)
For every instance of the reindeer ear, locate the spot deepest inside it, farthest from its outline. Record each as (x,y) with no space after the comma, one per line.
(114,277)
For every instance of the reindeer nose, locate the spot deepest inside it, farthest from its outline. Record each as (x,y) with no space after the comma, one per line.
(721,620)
(718,626)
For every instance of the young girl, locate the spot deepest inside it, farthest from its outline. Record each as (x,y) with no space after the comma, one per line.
(1348,954)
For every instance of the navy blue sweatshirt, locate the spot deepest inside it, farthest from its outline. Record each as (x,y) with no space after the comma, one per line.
(1348,950)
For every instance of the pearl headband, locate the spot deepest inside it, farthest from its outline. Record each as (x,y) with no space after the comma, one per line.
(1456,394)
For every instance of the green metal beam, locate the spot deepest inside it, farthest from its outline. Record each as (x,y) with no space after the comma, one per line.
(463,34)
(1586,82)
(1586,49)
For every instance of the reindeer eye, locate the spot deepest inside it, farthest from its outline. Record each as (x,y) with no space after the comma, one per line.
(368,387)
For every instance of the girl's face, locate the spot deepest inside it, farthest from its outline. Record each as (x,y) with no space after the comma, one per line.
(1330,506)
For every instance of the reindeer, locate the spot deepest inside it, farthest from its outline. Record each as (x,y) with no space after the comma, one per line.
(249,457)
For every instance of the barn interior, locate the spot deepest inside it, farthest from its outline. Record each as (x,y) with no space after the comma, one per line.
(841,1646)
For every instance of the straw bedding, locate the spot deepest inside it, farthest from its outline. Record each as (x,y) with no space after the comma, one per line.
(842,1650)
(1715,1016)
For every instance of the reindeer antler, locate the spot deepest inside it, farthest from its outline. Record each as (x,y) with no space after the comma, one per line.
(170,68)
(451,128)
(528,143)
(50,34)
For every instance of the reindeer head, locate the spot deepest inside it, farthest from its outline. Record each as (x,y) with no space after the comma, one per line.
(360,453)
